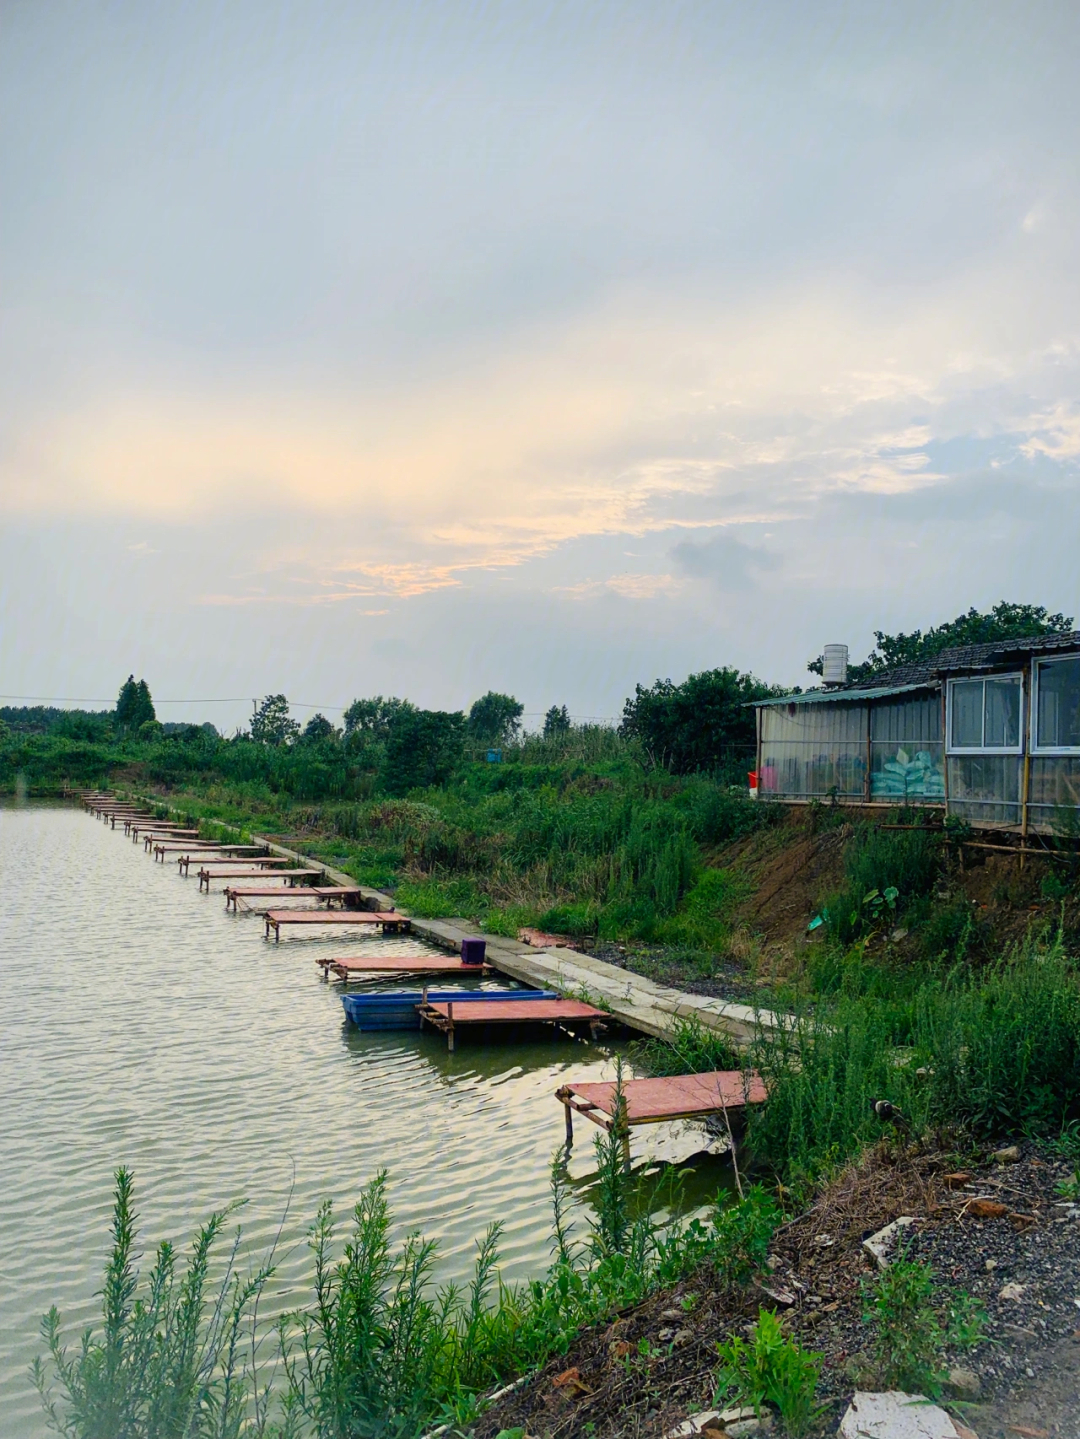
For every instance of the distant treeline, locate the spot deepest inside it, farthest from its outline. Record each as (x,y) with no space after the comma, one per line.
(390,746)
(384,746)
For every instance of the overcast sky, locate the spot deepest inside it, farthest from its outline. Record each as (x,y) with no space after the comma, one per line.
(429,348)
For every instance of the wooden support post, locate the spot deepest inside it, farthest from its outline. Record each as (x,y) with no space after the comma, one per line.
(569,1125)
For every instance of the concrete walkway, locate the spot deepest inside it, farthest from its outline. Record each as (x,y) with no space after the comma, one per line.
(639,1002)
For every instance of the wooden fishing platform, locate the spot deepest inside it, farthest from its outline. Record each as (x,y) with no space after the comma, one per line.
(241,863)
(156,830)
(650,1101)
(290,876)
(569,1013)
(375,968)
(401,1010)
(390,923)
(204,846)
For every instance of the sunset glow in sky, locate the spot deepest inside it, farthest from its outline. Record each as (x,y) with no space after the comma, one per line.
(429,348)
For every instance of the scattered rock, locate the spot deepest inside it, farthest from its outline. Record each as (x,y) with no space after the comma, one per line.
(673,1314)
(777,1293)
(963,1384)
(991,1265)
(958,1180)
(981,1208)
(571,1379)
(696,1424)
(1012,1291)
(1009,1155)
(893,1415)
(682,1336)
(824,1241)
(882,1245)
(740,1423)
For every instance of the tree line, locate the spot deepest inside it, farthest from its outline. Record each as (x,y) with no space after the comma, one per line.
(705,724)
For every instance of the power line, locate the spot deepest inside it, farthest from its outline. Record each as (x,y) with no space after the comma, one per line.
(248,699)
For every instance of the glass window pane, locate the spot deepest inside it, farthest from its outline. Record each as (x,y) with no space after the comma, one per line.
(1001,729)
(966,697)
(1059,705)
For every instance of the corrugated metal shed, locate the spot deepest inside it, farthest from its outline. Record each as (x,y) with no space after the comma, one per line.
(851,695)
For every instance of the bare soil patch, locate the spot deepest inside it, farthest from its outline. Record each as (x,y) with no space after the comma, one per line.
(645,1370)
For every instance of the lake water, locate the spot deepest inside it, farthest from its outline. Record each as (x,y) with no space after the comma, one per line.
(143,1025)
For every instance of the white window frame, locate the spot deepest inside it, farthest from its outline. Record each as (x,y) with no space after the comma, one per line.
(950,748)
(1036,748)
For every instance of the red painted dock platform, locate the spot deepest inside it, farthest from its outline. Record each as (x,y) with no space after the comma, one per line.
(290,876)
(376,968)
(454,1013)
(390,923)
(650,1101)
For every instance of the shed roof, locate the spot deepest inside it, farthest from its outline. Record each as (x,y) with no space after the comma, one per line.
(925,673)
(852,694)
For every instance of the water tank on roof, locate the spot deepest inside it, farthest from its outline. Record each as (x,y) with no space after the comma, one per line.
(834,671)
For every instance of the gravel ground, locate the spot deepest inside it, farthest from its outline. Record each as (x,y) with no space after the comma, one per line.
(1027,1364)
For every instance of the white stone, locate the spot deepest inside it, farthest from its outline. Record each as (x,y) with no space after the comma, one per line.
(1012,1291)
(893,1415)
(695,1424)
(882,1245)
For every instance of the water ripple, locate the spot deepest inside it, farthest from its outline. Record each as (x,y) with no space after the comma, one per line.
(143,1025)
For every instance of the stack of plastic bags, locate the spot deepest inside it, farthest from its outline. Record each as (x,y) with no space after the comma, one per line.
(907,778)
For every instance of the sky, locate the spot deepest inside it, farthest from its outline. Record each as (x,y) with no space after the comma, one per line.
(431,348)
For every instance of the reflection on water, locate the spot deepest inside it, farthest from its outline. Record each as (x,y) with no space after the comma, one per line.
(143,1025)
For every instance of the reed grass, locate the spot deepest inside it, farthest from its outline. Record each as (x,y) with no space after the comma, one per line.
(379,1348)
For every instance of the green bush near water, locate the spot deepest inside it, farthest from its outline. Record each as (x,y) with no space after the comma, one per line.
(994,1052)
(379,1349)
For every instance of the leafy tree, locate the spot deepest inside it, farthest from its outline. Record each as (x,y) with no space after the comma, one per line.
(495,719)
(83,725)
(271,724)
(424,748)
(556,722)
(701,724)
(134,707)
(374,718)
(319,727)
(1004,622)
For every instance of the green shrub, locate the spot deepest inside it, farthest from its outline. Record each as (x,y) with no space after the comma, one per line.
(770,1369)
(168,1362)
(692,1049)
(742,1231)
(908,1339)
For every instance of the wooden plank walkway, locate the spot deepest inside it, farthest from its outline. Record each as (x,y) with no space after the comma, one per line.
(288,876)
(391,923)
(241,864)
(651,1101)
(233,892)
(376,968)
(453,1014)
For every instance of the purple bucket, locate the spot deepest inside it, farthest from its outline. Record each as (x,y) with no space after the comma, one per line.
(473,951)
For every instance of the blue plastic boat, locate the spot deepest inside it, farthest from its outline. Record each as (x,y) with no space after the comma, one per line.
(398,1011)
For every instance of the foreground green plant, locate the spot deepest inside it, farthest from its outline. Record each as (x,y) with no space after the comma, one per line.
(168,1361)
(995,1052)
(907,1335)
(691,1049)
(770,1369)
(379,1349)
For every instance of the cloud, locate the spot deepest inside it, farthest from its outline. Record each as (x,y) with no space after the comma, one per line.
(726,561)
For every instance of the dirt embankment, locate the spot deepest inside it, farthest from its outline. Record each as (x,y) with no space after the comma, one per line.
(997,1232)
(790,869)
